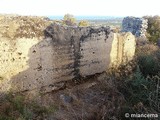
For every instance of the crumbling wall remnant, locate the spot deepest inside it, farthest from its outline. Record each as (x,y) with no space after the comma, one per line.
(60,54)
(123,48)
(137,26)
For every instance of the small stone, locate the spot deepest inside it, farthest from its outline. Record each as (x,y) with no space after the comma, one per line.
(66,98)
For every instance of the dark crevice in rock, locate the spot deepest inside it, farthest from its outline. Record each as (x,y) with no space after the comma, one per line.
(77,56)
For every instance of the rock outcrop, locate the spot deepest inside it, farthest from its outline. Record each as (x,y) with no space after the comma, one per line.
(41,58)
(137,26)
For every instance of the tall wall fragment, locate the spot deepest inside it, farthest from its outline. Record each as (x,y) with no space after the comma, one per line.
(137,26)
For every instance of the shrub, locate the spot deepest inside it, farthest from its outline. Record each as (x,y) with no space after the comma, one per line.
(148,59)
(139,88)
(153,30)
(17,108)
(83,23)
(69,20)
(141,94)
(154,97)
(149,65)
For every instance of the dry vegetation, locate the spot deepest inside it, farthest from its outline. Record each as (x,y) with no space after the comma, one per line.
(23,26)
(130,88)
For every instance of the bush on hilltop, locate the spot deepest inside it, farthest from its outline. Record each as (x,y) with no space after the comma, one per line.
(153,30)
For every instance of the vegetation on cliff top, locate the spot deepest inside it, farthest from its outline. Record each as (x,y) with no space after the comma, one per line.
(23,26)
(70,20)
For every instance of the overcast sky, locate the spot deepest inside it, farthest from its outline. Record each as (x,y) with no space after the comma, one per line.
(81,7)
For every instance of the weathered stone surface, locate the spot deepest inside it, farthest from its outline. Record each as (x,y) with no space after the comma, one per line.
(123,48)
(87,48)
(137,26)
(59,54)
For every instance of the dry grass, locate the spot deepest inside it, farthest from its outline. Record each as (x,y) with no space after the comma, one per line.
(23,26)
(106,96)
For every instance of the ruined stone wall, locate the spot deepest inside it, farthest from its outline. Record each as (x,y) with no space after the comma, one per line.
(137,26)
(40,58)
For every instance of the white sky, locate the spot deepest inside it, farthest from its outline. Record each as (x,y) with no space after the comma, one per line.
(81,7)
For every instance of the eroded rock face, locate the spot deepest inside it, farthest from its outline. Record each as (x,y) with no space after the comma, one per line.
(137,26)
(42,62)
